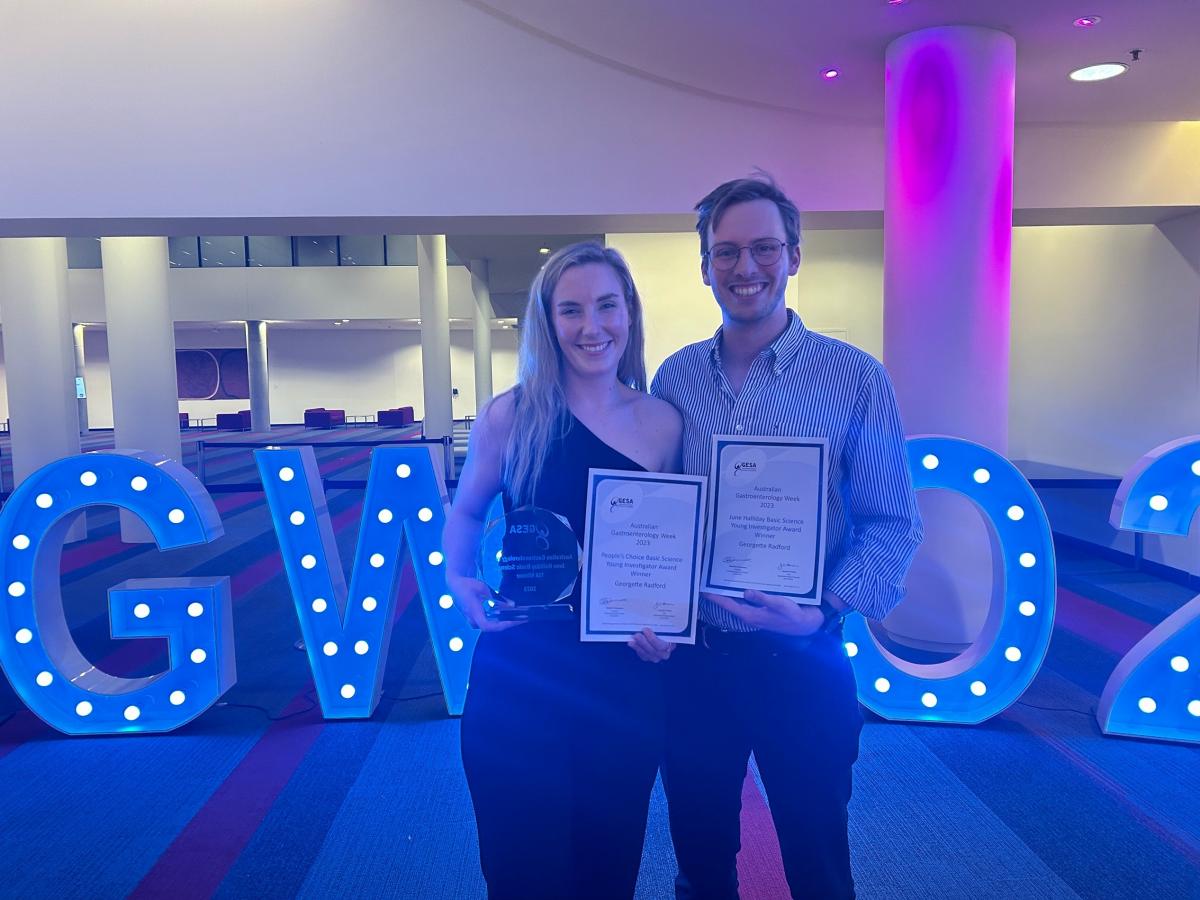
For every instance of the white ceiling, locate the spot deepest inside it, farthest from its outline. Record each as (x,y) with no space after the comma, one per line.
(771,52)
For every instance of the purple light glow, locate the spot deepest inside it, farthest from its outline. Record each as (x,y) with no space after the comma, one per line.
(830,74)
(1087,21)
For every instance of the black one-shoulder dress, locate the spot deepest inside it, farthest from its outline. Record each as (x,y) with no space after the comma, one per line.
(561,739)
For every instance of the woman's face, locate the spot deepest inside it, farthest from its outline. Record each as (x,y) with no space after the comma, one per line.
(591,319)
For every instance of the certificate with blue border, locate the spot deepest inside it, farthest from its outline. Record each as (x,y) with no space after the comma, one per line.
(641,559)
(767,525)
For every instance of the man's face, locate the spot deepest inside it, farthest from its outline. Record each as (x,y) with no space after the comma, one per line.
(750,292)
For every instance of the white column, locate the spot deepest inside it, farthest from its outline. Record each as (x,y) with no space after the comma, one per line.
(39,360)
(948,122)
(483,332)
(81,402)
(141,353)
(435,334)
(260,384)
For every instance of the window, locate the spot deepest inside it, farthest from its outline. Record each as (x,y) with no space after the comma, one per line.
(184,252)
(361,249)
(222,251)
(316,251)
(270,250)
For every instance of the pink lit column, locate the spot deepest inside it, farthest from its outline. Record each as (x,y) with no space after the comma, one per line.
(947,237)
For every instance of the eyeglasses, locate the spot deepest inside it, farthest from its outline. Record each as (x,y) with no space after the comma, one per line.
(765,253)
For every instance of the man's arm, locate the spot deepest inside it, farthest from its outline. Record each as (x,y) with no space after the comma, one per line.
(881,507)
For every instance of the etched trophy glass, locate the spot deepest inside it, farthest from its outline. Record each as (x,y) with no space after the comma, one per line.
(530,558)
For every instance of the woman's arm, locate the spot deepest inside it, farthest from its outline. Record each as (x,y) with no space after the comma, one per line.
(478,485)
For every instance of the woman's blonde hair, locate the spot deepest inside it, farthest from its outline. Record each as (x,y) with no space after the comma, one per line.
(541,412)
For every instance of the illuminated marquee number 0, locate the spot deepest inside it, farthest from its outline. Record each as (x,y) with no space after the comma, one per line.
(1154,692)
(989,676)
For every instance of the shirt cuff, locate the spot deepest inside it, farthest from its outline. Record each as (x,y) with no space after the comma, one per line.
(861,591)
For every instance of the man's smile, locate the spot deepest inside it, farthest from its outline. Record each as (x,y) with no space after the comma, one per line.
(748,290)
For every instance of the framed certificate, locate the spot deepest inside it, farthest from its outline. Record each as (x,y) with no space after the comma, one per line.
(767,525)
(641,555)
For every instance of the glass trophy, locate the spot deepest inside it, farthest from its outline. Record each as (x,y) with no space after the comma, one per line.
(529,557)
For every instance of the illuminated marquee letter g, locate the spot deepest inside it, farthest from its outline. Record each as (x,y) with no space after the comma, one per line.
(37,652)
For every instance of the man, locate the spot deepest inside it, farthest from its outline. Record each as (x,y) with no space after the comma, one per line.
(768,675)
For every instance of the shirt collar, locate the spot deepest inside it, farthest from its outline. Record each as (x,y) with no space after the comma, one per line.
(782,350)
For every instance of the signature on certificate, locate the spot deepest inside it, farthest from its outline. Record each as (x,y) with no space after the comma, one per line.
(736,565)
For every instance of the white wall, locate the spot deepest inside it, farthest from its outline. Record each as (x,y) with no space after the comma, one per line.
(462,366)
(1106,360)
(839,288)
(1105,332)
(677,308)
(355,369)
(426,108)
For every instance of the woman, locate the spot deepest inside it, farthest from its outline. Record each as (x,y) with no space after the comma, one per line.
(561,739)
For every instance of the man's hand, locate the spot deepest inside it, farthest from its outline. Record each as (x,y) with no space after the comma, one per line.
(650,647)
(471,595)
(771,612)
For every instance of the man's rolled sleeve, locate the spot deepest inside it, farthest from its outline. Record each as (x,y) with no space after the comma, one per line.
(885,526)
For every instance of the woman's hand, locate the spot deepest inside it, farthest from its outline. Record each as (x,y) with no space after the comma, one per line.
(472,596)
(650,647)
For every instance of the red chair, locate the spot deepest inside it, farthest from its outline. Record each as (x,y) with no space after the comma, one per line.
(320,417)
(394,418)
(238,421)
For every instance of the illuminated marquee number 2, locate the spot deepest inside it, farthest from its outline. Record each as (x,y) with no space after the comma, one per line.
(43,663)
(347,632)
(1154,692)
(992,674)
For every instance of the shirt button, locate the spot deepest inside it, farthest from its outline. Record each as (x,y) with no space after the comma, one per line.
(737,428)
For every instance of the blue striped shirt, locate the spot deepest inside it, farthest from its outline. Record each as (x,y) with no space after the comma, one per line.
(809,385)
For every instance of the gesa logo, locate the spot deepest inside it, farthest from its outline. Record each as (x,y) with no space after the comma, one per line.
(618,502)
(539,532)
(747,466)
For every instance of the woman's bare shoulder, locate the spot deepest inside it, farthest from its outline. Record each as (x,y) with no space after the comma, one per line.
(659,414)
(499,413)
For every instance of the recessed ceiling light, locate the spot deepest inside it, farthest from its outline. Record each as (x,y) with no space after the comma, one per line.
(830,73)
(896,2)
(345,321)
(543,250)
(1087,21)
(1099,72)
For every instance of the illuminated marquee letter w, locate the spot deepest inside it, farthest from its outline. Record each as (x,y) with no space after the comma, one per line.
(346,632)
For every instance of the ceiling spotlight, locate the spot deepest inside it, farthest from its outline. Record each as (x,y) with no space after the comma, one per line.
(1087,21)
(830,73)
(1099,72)
(896,2)
(543,250)
(337,322)
(345,321)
